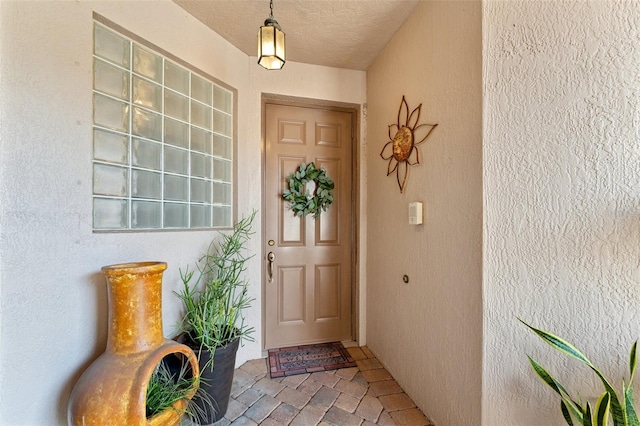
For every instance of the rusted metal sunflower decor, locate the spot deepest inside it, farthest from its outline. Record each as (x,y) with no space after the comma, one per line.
(402,145)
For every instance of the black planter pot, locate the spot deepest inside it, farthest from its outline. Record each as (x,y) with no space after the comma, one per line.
(216,383)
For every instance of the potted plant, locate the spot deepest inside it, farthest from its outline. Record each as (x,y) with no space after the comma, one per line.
(623,412)
(215,295)
(170,392)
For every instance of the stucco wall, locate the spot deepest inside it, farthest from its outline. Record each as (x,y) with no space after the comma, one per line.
(562,197)
(428,333)
(53,298)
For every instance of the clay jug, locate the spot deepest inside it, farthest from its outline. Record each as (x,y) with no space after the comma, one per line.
(113,389)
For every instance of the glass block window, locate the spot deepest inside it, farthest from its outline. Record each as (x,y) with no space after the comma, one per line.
(162,140)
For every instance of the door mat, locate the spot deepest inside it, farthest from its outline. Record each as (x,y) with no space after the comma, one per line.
(308,359)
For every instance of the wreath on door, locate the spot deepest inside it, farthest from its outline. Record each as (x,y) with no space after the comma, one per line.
(304,203)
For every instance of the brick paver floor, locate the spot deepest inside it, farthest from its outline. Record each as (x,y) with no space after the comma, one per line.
(361,396)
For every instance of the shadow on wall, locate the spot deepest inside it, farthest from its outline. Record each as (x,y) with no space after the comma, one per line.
(99,284)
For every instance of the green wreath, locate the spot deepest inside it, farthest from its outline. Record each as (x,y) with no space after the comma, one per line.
(305,203)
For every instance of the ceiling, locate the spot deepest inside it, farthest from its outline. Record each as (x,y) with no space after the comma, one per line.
(335,33)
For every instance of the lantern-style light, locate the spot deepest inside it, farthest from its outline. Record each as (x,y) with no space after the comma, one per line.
(271,43)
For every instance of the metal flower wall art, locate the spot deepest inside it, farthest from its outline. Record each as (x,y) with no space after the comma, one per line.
(404,136)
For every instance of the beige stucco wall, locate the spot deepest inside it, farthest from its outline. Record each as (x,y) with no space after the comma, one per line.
(562,197)
(52,295)
(428,333)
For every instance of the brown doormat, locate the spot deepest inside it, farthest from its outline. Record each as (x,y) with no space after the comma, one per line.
(308,359)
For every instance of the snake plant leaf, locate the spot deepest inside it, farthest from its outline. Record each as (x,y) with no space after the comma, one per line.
(559,344)
(567,401)
(617,412)
(630,412)
(602,410)
(565,413)
(586,419)
(633,361)
(544,375)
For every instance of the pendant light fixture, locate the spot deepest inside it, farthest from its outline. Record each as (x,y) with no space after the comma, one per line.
(271,43)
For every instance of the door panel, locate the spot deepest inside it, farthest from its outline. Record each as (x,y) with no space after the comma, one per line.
(291,229)
(328,225)
(308,299)
(327,292)
(292,294)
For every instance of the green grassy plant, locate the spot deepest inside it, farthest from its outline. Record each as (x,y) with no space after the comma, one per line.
(608,406)
(172,381)
(215,293)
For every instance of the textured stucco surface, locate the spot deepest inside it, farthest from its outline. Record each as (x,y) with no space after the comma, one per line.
(53,297)
(562,196)
(428,333)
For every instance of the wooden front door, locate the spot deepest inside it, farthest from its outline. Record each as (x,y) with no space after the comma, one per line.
(308,262)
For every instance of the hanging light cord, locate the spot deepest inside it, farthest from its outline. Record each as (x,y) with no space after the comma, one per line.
(271,8)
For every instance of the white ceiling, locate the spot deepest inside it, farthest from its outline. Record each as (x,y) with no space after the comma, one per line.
(336,33)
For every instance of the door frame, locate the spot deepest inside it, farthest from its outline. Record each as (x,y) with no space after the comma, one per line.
(355,111)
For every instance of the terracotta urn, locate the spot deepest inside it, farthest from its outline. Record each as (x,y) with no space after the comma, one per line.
(113,389)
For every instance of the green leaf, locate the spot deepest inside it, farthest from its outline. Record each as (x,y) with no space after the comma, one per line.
(602,410)
(586,419)
(565,413)
(617,412)
(560,344)
(572,405)
(567,348)
(545,376)
(633,360)
(630,412)
(309,202)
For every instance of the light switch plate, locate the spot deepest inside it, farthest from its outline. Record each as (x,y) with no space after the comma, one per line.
(415,213)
